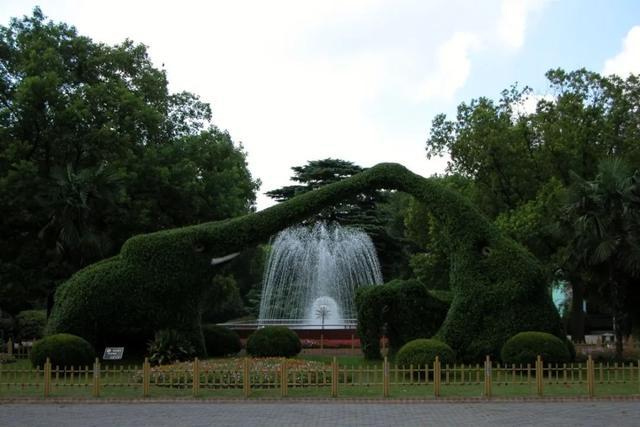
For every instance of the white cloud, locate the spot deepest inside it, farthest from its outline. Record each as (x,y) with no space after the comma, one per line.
(628,60)
(296,81)
(512,23)
(453,67)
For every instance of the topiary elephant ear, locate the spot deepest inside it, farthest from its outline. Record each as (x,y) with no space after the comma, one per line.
(158,280)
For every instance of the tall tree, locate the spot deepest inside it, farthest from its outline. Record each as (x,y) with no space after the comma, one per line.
(606,214)
(93,149)
(379,214)
(520,161)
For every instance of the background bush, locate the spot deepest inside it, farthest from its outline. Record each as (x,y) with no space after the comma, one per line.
(406,306)
(525,347)
(30,324)
(423,352)
(220,341)
(273,341)
(170,346)
(63,350)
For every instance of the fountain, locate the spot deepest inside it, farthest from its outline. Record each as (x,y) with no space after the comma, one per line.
(312,275)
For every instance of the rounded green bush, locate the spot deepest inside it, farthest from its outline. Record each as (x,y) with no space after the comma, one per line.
(62,350)
(525,347)
(220,341)
(30,324)
(274,341)
(423,352)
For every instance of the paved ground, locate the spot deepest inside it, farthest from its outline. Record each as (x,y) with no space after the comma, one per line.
(308,414)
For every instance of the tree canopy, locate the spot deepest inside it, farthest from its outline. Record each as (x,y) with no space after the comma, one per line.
(94,150)
(522,163)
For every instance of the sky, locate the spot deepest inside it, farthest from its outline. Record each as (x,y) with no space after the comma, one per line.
(357,80)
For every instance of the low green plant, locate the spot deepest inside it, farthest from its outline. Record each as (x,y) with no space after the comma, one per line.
(168,346)
(274,341)
(30,324)
(422,351)
(62,350)
(220,341)
(525,347)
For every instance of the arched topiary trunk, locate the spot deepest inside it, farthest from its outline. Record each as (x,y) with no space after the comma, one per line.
(158,279)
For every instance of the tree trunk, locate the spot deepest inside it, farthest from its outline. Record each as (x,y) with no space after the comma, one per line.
(617,299)
(577,315)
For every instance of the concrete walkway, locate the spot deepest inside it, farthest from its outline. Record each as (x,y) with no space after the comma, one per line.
(309,414)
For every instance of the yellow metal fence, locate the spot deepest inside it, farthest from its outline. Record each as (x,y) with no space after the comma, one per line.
(292,379)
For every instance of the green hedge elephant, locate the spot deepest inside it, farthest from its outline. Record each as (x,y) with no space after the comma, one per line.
(158,280)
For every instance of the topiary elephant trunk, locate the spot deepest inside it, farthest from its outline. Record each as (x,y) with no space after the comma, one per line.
(158,280)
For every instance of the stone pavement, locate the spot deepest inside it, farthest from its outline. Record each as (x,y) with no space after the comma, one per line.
(326,413)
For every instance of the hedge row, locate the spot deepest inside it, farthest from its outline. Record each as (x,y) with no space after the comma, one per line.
(158,280)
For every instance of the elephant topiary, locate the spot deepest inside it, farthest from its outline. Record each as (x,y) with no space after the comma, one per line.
(158,280)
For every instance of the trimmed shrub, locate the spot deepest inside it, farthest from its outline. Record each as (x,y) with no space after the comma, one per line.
(30,324)
(423,352)
(274,341)
(62,350)
(407,307)
(499,288)
(170,346)
(525,347)
(220,341)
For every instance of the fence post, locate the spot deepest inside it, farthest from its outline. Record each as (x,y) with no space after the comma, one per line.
(246,385)
(196,377)
(590,376)
(284,378)
(539,376)
(96,378)
(334,377)
(488,376)
(10,347)
(436,377)
(47,377)
(385,377)
(146,377)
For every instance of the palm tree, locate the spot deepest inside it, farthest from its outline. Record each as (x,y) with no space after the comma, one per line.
(75,235)
(606,238)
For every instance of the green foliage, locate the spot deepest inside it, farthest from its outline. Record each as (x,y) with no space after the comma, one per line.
(521,162)
(63,350)
(498,287)
(378,213)
(273,341)
(7,325)
(170,346)
(220,341)
(407,309)
(223,301)
(30,324)
(525,347)
(421,352)
(605,215)
(94,150)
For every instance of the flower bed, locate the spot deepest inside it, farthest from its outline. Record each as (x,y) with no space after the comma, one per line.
(227,373)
